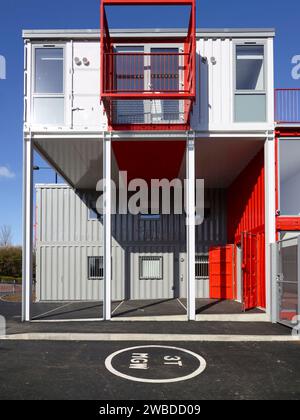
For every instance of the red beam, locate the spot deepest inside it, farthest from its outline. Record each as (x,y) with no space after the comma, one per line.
(147,2)
(150,127)
(287,223)
(148,95)
(287,131)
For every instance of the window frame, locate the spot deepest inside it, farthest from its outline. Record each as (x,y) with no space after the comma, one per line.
(151,258)
(35,95)
(249,42)
(100,257)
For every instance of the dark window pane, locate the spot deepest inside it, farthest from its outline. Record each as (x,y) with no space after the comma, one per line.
(250,67)
(95,268)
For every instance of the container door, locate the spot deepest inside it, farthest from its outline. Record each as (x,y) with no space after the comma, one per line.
(249,266)
(86,110)
(221,272)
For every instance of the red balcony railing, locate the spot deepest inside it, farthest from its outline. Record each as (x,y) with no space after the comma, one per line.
(138,74)
(143,87)
(287,106)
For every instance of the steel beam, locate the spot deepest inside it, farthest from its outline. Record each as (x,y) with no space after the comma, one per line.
(191,218)
(27,228)
(107,227)
(270,210)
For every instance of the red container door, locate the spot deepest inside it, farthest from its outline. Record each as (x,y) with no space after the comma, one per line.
(221,272)
(249,249)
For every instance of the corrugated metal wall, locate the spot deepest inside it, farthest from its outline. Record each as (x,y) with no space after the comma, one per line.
(63,217)
(246,205)
(214,101)
(62,273)
(246,213)
(143,289)
(65,239)
(215,84)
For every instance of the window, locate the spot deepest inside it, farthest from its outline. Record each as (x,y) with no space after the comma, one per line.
(289,176)
(150,216)
(151,268)
(48,86)
(201,268)
(93,213)
(250,95)
(95,268)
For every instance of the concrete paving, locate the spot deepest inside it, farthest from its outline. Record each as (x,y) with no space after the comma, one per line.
(52,325)
(134,309)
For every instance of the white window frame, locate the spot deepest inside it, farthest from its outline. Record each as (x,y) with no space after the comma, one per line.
(250,42)
(49,95)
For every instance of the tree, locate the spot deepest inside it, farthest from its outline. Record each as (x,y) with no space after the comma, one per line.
(5,236)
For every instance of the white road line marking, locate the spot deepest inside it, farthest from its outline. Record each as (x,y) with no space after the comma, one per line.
(185,308)
(161,318)
(53,321)
(53,310)
(121,303)
(167,318)
(233,317)
(150,337)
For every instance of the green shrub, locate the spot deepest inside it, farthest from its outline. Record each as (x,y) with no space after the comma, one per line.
(11,262)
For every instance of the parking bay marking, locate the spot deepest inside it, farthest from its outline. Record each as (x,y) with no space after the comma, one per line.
(152,359)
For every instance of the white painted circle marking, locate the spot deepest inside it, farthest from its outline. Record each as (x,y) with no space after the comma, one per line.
(198,371)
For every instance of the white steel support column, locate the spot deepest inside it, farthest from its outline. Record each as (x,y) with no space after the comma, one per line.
(107,226)
(270,215)
(190,210)
(27,228)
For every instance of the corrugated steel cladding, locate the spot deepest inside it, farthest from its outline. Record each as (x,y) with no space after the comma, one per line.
(246,207)
(213,109)
(246,213)
(65,239)
(215,86)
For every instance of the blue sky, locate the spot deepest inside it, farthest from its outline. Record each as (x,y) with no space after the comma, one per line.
(16,15)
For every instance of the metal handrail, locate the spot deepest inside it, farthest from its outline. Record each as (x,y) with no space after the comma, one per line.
(134,71)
